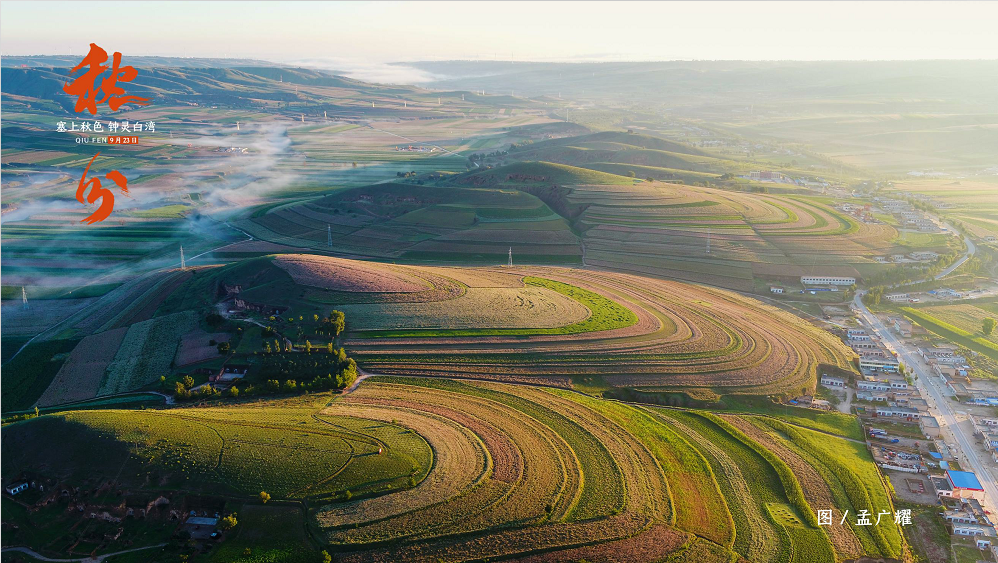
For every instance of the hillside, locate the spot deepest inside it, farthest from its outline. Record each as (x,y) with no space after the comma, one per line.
(529,324)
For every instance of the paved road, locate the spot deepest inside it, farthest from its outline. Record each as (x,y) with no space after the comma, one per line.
(942,407)
(971,250)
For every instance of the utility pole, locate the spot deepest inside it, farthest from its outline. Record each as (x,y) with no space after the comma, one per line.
(329,235)
(24,298)
(183,263)
(510,264)
(708,240)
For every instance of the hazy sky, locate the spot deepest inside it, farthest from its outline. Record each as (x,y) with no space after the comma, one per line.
(364,33)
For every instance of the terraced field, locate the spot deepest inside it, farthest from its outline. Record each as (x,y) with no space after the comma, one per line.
(664,229)
(551,475)
(283,447)
(422,223)
(633,331)
(548,325)
(548,213)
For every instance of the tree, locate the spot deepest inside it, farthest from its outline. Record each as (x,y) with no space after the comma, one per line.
(223,347)
(264,497)
(188,382)
(988,325)
(631,173)
(338,321)
(326,558)
(273,385)
(233,392)
(228,522)
(214,319)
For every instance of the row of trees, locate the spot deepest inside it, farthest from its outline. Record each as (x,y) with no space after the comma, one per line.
(344,378)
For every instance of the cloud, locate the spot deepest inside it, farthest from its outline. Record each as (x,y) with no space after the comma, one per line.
(369,71)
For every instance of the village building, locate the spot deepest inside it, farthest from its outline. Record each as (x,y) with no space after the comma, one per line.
(975,530)
(873,386)
(906,413)
(902,327)
(229,373)
(834,382)
(201,527)
(16,487)
(827,280)
(929,426)
(876,396)
(964,485)
(874,362)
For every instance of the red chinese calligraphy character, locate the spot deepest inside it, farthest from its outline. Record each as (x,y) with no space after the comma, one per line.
(97,191)
(84,86)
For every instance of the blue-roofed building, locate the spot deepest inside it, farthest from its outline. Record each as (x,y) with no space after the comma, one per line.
(965,484)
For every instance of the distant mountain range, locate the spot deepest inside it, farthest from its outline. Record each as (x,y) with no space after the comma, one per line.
(59,61)
(699,82)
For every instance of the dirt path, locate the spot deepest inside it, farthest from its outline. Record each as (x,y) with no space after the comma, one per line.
(846,405)
(40,557)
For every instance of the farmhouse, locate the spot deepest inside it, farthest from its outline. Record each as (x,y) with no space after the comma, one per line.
(230,372)
(973,530)
(959,516)
(827,280)
(932,355)
(919,404)
(201,528)
(856,333)
(243,305)
(897,382)
(895,297)
(777,290)
(924,255)
(829,381)
(873,386)
(899,412)
(878,396)
(16,487)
